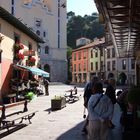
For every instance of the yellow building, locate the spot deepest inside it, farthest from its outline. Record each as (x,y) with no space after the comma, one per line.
(15,40)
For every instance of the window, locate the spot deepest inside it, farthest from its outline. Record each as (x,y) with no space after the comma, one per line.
(113,52)
(113,65)
(16,37)
(79,55)
(79,67)
(30,46)
(96,53)
(44,34)
(38,32)
(74,56)
(108,53)
(91,54)
(132,63)
(84,66)
(75,67)
(38,22)
(102,65)
(12,2)
(91,65)
(101,51)
(108,65)
(124,64)
(12,10)
(84,54)
(47,50)
(96,65)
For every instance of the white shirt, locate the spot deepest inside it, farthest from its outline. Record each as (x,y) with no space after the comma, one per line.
(103,110)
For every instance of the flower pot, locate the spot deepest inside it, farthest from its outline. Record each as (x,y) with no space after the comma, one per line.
(57,104)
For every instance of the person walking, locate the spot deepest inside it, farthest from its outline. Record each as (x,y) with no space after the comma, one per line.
(86,96)
(111,93)
(100,110)
(46,84)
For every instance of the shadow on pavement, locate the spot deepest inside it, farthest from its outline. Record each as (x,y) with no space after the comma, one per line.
(73,133)
(4,131)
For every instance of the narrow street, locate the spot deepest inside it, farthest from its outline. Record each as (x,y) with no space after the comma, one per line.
(64,124)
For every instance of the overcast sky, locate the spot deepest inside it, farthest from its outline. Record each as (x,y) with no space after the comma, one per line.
(81,7)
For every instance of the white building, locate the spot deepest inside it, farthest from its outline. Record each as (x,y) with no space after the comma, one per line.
(48,19)
(82,41)
(116,66)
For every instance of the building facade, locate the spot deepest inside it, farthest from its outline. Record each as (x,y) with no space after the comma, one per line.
(47,18)
(99,58)
(15,41)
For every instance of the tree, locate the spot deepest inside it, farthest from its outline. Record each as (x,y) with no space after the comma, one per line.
(87,26)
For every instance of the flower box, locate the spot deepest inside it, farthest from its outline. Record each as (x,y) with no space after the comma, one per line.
(58,103)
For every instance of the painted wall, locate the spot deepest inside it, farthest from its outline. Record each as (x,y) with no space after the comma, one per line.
(7,30)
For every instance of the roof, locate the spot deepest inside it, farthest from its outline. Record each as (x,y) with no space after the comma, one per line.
(5,15)
(123,20)
(93,44)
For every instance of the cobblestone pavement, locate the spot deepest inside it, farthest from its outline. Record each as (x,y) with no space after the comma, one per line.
(64,124)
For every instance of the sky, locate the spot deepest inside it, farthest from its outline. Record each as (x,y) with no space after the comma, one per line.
(81,7)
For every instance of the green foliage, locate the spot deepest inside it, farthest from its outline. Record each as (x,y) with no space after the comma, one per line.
(87,26)
(69,52)
(134,95)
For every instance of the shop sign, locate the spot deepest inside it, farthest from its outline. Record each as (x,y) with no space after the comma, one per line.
(29,53)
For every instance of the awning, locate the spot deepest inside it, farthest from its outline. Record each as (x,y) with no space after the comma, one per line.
(40,72)
(35,71)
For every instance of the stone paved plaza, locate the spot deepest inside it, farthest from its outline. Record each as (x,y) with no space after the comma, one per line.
(64,124)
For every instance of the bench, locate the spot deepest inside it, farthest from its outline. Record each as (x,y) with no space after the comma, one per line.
(71,96)
(9,120)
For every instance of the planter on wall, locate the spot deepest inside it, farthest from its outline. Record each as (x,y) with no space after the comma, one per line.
(58,103)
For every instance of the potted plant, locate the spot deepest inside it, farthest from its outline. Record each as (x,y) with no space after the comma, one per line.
(58,102)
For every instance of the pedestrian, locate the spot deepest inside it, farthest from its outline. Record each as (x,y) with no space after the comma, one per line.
(87,95)
(100,110)
(75,90)
(111,93)
(46,84)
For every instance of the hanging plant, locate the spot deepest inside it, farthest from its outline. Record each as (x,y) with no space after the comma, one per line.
(19,56)
(18,46)
(32,59)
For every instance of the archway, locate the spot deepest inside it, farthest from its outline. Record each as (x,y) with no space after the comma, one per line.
(110,75)
(122,78)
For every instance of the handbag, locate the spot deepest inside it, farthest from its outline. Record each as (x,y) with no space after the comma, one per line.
(98,101)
